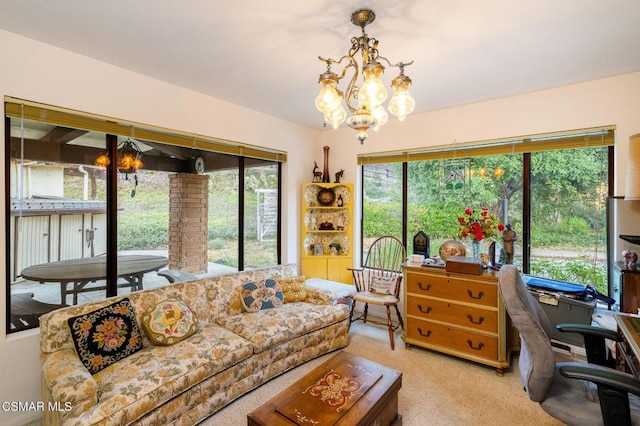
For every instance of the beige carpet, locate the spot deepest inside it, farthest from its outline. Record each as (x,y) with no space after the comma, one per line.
(436,389)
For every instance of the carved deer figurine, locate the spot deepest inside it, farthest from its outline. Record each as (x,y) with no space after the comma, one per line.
(339,175)
(317,174)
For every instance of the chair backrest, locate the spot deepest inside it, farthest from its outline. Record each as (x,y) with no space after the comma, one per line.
(537,361)
(385,258)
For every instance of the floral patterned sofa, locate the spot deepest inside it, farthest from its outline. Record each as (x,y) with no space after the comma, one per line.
(231,352)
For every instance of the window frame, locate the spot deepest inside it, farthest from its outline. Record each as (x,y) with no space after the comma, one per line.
(247,155)
(603,136)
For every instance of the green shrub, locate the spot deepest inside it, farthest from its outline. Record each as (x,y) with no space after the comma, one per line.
(148,234)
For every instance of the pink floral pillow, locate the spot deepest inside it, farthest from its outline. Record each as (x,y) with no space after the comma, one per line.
(106,335)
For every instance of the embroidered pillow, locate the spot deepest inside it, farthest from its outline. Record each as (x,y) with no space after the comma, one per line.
(293,289)
(106,335)
(384,285)
(260,295)
(168,322)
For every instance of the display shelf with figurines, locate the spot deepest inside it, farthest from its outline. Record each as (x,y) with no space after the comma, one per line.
(327,216)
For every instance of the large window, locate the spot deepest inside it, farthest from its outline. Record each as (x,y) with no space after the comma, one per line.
(382,203)
(552,194)
(79,232)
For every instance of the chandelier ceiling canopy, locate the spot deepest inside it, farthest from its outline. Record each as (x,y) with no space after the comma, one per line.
(365,102)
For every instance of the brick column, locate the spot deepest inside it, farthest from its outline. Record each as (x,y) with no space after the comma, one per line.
(188,222)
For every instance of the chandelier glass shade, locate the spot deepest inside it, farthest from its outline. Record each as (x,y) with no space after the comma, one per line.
(364,102)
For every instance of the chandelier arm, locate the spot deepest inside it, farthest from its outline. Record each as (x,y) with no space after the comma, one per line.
(333,61)
(396,65)
(352,89)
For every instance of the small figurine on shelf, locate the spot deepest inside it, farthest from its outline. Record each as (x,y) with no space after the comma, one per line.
(340,201)
(630,259)
(317,174)
(334,249)
(339,175)
(509,237)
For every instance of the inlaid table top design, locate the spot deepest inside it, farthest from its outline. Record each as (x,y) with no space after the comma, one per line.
(345,390)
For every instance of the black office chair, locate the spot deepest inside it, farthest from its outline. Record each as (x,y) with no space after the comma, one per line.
(601,395)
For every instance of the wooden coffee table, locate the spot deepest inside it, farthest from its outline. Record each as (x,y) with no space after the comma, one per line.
(345,390)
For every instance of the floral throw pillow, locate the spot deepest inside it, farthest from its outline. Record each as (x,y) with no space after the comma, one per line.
(293,289)
(106,335)
(384,285)
(168,322)
(260,295)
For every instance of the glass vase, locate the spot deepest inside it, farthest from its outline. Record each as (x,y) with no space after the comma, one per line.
(476,247)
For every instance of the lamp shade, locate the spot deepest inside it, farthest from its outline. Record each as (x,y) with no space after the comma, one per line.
(633,169)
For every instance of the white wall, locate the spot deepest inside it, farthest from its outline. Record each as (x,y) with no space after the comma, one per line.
(42,73)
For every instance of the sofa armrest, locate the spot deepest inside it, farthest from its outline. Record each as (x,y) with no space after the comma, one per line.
(65,380)
(326,292)
(319,297)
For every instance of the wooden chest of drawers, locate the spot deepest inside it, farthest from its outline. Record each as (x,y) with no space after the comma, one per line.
(457,314)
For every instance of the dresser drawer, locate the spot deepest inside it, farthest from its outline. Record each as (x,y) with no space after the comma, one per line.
(460,340)
(467,316)
(455,289)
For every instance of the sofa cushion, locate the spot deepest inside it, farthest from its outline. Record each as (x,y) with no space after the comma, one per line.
(293,288)
(263,294)
(149,378)
(168,322)
(106,335)
(269,327)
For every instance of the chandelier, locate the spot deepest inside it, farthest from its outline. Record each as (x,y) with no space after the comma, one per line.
(129,158)
(129,161)
(365,102)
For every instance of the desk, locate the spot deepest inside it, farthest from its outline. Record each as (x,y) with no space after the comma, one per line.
(628,351)
(80,272)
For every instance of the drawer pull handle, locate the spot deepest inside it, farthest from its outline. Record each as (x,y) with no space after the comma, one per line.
(480,295)
(480,320)
(424,311)
(423,334)
(427,288)
(475,348)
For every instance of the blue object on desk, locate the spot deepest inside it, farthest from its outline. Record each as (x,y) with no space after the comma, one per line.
(556,286)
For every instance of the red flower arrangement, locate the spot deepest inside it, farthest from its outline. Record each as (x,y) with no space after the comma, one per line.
(478,225)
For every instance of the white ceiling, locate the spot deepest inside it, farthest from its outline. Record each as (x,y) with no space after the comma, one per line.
(263,54)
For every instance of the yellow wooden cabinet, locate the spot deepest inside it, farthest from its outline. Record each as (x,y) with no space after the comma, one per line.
(327,231)
(457,314)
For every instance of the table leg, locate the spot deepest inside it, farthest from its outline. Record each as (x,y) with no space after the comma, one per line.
(63,293)
(138,280)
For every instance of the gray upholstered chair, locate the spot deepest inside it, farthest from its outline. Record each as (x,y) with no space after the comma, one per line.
(601,395)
